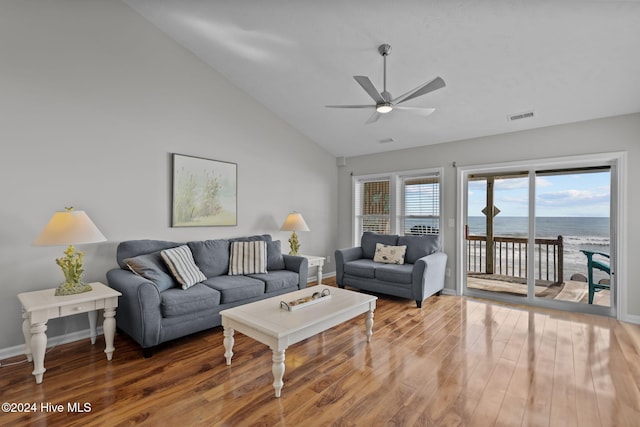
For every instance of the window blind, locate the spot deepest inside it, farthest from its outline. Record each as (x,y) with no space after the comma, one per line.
(372,205)
(421,205)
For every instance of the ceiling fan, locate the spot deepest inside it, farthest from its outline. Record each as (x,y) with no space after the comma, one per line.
(384,103)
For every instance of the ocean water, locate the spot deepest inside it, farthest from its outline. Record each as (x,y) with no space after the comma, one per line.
(589,233)
(578,233)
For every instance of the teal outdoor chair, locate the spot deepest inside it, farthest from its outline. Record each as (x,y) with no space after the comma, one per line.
(599,264)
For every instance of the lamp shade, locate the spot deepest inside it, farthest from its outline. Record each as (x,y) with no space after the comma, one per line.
(69,227)
(294,222)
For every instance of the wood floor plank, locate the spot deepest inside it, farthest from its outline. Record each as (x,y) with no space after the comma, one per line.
(455,362)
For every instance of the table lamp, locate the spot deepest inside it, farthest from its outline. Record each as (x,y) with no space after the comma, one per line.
(67,228)
(294,222)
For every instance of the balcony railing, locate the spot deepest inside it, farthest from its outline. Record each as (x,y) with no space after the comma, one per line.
(510,257)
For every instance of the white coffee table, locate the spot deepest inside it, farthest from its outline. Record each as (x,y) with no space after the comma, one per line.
(266,322)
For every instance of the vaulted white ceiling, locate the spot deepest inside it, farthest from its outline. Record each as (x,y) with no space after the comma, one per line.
(566,60)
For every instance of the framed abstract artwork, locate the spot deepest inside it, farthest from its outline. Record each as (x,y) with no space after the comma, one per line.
(204,192)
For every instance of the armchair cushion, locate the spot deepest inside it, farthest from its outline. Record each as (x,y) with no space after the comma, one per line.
(395,273)
(419,246)
(361,267)
(369,240)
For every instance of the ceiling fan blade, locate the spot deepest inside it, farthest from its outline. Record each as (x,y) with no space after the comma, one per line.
(373,118)
(434,84)
(370,88)
(422,110)
(350,106)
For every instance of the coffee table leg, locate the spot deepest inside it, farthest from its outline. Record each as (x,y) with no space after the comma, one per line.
(228,344)
(369,324)
(278,371)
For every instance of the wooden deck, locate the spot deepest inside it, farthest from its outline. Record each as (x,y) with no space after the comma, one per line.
(570,290)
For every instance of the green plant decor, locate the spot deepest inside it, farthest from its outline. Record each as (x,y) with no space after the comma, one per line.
(295,245)
(71,266)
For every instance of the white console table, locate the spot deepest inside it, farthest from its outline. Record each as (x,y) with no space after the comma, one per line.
(40,306)
(316,261)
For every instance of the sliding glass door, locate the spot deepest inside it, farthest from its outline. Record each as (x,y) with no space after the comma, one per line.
(496,233)
(573,208)
(542,234)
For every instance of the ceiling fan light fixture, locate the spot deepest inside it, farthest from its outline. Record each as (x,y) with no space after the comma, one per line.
(384,108)
(384,103)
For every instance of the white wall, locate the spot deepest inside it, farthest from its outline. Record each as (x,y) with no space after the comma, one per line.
(93,99)
(620,133)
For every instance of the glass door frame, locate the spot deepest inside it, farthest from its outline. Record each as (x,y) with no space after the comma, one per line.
(617,162)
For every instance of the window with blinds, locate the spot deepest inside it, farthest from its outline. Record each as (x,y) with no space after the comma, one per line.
(420,212)
(372,206)
(398,203)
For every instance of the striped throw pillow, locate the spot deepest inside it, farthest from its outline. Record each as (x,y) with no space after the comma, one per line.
(183,267)
(248,258)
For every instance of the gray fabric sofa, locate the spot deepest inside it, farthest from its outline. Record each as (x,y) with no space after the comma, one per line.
(420,276)
(154,309)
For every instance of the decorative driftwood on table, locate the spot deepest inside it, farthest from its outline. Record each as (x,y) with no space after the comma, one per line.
(314,298)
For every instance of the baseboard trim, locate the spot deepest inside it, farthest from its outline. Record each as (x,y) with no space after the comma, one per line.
(6,353)
(447,291)
(631,318)
(324,276)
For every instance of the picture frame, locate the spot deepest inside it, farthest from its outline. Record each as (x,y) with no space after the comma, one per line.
(204,192)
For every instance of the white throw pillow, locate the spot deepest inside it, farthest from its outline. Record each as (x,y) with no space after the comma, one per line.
(182,266)
(389,254)
(248,258)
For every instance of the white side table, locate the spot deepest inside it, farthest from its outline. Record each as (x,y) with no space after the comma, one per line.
(40,306)
(316,261)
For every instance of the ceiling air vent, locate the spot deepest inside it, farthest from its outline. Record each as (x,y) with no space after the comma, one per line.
(386,141)
(520,116)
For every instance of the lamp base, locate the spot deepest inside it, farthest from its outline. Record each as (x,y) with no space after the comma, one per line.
(72,289)
(295,245)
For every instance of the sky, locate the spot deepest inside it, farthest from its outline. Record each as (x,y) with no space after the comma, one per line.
(571,195)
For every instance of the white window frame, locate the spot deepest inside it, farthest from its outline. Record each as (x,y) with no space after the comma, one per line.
(396,198)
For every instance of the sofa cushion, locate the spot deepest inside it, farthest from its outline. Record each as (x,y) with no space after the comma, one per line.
(389,254)
(152,267)
(248,257)
(361,268)
(182,266)
(276,280)
(264,237)
(394,273)
(133,248)
(369,240)
(236,288)
(419,246)
(275,260)
(176,302)
(211,256)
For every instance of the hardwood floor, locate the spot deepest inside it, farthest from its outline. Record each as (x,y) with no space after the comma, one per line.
(456,361)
